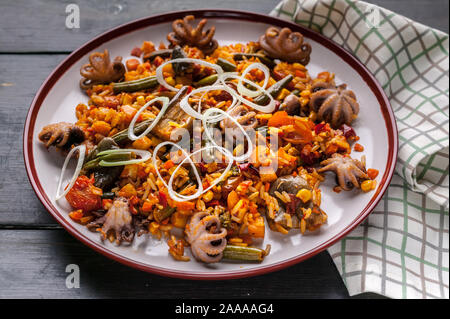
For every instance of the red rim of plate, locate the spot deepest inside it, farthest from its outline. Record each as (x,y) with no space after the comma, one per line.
(371,82)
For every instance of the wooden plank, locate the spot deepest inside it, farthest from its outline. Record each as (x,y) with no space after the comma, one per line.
(21,77)
(33,265)
(39,26)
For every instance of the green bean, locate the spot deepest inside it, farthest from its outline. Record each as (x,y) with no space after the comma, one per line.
(162,53)
(245,253)
(226,65)
(164,213)
(122,136)
(95,163)
(274,90)
(265,60)
(296,92)
(209,80)
(135,85)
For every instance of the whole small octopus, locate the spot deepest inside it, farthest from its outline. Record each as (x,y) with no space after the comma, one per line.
(100,70)
(206,236)
(61,135)
(334,104)
(285,45)
(185,34)
(117,219)
(349,172)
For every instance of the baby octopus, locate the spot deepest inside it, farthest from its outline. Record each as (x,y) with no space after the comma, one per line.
(62,135)
(285,45)
(100,70)
(349,172)
(333,104)
(184,34)
(118,219)
(206,237)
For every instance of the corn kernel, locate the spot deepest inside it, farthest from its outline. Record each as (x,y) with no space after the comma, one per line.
(305,93)
(171,81)
(208,196)
(304,194)
(367,186)
(140,99)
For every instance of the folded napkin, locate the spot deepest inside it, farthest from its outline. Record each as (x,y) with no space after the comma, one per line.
(401,249)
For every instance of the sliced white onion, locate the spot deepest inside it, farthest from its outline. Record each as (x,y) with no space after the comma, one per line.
(165,100)
(252,93)
(145,156)
(207,118)
(174,195)
(187,157)
(82,152)
(216,181)
(269,108)
(162,81)
(185,106)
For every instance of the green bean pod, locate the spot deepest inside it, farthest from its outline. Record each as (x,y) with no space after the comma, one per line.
(274,90)
(235,252)
(162,53)
(264,60)
(122,136)
(209,80)
(160,215)
(226,65)
(95,163)
(135,85)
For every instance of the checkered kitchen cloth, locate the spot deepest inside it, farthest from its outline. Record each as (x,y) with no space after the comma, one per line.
(401,249)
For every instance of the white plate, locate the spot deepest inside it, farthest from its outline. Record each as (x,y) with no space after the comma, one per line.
(58,96)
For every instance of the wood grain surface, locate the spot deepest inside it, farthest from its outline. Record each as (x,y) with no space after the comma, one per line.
(34,250)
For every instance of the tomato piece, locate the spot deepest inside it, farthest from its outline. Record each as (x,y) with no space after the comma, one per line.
(84,195)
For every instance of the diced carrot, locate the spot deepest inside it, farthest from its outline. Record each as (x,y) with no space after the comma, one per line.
(232,199)
(168,165)
(128,191)
(280,118)
(129,112)
(132,64)
(106,203)
(372,173)
(143,143)
(184,205)
(300,74)
(148,47)
(147,207)
(76,215)
(101,127)
(358,147)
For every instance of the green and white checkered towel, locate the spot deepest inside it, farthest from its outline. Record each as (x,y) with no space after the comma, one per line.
(401,249)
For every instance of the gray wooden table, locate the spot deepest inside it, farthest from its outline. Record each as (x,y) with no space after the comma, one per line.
(34,249)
